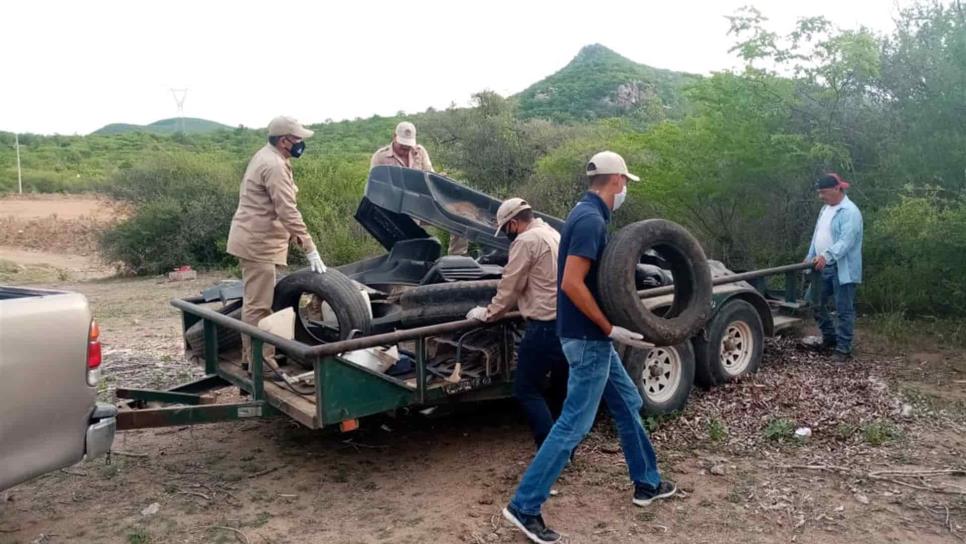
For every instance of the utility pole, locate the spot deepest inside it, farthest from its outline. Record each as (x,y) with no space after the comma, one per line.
(16,139)
(179,96)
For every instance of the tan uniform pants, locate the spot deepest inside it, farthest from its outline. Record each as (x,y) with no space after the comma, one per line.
(458,245)
(259,281)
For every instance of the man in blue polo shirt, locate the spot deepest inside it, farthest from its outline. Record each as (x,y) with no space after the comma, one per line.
(596,371)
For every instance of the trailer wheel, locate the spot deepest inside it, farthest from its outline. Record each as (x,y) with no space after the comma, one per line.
(228,339)
(341,298)
(734,344)
(663,375)
(692,281)
(442,302)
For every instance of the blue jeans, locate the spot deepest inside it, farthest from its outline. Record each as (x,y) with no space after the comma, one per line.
(595,372)
(841,329)
(540,354)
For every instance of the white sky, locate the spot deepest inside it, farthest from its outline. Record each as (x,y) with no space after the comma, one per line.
(73,66)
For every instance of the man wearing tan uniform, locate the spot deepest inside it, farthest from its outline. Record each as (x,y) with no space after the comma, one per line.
(529,283)
(405,152)
(267,220)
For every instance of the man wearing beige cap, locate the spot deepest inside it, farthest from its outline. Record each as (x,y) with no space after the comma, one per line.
(404,151)
(529,283)
(266,220)
(596,372)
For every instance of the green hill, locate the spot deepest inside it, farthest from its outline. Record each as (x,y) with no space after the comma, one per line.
(192,125)
(600,83)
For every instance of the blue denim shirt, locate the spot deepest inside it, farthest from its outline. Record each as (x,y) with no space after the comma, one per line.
(846,250)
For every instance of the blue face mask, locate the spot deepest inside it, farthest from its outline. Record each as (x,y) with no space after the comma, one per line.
(297,149)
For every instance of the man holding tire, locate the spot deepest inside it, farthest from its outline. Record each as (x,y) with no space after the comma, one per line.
(596,371)
(266,220)
(836,254)
(529,282)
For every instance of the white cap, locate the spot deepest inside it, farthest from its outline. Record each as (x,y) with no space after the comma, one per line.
(508,210)
(608,162)
(288,126)
(406,134)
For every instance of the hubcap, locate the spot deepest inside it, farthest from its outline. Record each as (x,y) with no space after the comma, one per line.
(737,348)
(662,374)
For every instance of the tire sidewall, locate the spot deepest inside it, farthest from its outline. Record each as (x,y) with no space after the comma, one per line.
(636,365)
(693,290)
(332,287)
(733,310)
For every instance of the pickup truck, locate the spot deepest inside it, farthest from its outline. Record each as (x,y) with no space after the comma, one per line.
(50,358)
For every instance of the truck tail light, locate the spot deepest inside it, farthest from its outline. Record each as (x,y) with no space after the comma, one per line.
(94,355)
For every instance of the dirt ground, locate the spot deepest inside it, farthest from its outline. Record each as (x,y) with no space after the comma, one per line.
(67,207)
(885,461)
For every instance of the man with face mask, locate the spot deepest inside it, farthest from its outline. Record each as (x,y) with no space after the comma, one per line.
(836,254)
(596,371)
(265,222)
(404,151)
(529,282)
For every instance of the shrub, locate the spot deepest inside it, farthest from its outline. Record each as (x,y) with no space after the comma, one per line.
(183,212)
(879,432)
(330,189)
(915,262)
(184,205)
(779,430)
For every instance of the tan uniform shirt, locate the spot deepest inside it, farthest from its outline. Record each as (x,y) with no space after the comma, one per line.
(418,159)
(266,219)
(529,280)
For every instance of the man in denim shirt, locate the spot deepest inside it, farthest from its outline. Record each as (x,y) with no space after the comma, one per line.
(596,371)
(836,253)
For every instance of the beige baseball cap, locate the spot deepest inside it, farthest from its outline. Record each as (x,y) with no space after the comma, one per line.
(406,134)
(288,126)
(608,162)
(508,210)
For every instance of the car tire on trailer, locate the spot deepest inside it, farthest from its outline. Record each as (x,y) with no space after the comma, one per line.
(687,263)
(351,310)
(442,302)
(663,375)
(228,339)
(733,346)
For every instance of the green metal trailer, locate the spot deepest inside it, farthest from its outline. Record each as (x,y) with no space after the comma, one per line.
(342,391)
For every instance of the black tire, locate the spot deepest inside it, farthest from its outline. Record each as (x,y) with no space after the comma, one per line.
(739,324)
(692,281)
(332,287)
(672,376)
(228,339)
(442,302)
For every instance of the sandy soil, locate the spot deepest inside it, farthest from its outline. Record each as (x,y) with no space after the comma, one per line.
(66,207)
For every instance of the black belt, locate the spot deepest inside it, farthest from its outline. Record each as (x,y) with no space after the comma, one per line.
(541,322)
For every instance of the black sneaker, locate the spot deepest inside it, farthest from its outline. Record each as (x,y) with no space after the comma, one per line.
(812,343)
(532,526)
(841,357)
(645,495)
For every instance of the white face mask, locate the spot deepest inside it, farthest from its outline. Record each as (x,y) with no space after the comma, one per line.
(619,198)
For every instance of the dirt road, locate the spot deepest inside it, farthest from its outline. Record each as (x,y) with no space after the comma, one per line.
(66,207)
(411,479)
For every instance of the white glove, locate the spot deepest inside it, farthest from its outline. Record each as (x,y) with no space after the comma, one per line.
(624,336)
(478,313)
(315,262)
